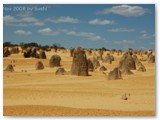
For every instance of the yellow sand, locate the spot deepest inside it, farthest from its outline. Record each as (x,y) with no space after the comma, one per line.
(35,91)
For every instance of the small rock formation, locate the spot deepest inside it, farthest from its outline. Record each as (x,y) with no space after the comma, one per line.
(39,65)
(60,71)
(127,61)
(71,52)
(31,52)
(102,68)
(42,55)
(95,57)
(34,52)
(114,74)
(90,65)
(142,68)
(6,52)
(112,57)
(9,68)
(108,58)
(151,59)
(96,64)
(27,53)
(55,61)
(100,57)
(15,50)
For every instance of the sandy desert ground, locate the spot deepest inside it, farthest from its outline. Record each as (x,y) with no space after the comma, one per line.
(30,92)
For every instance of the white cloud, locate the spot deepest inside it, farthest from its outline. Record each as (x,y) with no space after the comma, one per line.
(87,35)
(21,21)
(121,30)
(125,10)
(124,42)
(146,36)
(100,22)
(22,32)
(38,23)
(29,19)
(45,30)
(48,31)
(25,24)
(63,19)
(9,18)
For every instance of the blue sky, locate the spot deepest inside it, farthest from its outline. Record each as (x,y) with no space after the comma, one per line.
(119,26)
